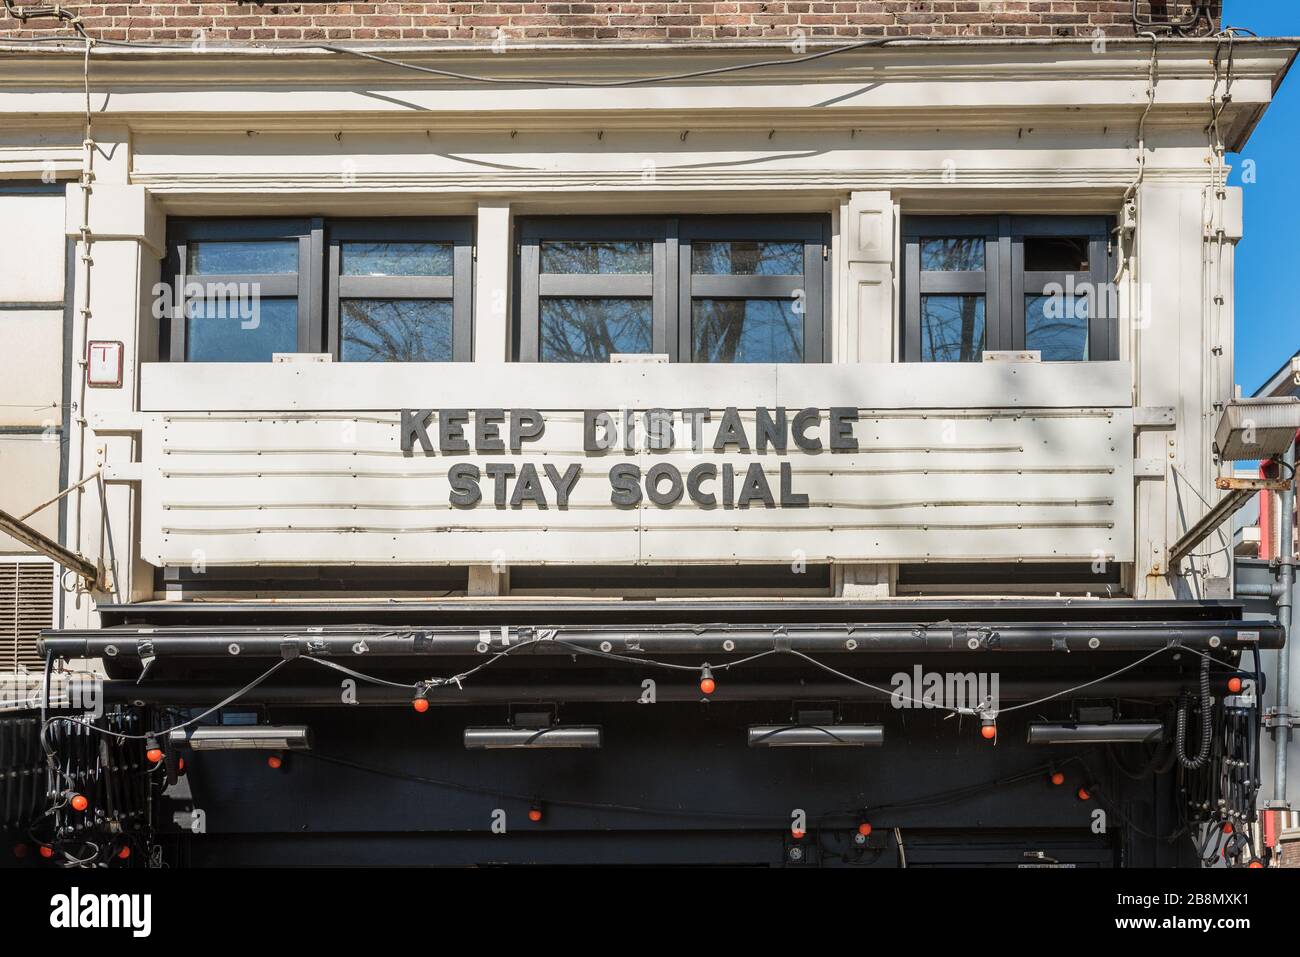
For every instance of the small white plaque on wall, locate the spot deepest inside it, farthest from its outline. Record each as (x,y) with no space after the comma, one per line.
(104,364)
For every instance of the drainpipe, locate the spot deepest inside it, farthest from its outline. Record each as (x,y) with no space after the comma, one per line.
(1286,558)
(1282,592)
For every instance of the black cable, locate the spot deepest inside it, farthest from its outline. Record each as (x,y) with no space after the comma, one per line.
(528,81)
(1207,725)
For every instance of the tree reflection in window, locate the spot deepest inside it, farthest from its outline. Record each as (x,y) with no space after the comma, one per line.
(747,258)
(396,258)
(954,254)
(952,328)
(579,329)
(1057,327)
(746,330)
(396,330)
(596,257)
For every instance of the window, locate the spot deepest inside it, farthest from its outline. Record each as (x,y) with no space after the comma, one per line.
(699,289)
(363,291)
(977,283)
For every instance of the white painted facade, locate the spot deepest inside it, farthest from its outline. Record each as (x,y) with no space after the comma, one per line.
(867,137)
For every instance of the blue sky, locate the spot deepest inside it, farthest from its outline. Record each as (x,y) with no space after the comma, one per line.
(1268,257)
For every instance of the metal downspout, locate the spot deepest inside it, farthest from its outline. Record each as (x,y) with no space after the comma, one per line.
(1286,557)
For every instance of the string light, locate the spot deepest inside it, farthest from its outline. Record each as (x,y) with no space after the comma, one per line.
(707,684)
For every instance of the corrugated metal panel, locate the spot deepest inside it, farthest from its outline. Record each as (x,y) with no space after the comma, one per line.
(26,608)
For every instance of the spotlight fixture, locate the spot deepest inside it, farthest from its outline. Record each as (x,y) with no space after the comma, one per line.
(1257,428)
(262,737)
(816,735)
(555,736)
(1115,732)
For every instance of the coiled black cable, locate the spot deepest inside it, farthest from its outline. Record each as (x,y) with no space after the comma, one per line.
(1207,718)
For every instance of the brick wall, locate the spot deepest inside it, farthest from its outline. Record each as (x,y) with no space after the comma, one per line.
(631,20)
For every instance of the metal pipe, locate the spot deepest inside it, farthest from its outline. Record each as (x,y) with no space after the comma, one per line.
(186,694)
(1259,591)
(1286,556)
(78,564)
(356,643)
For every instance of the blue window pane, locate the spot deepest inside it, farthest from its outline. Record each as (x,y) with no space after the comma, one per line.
(958,254)
(591,258)
(746,330)
(747,258)
(590,330)
(226,331)
(1057,326)
(396,330)
(242,258)
(952,328)
(396,259)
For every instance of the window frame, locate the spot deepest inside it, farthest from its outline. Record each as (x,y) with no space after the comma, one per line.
(671,286)
(317,284)
(1004,282)
(534,285)
(458,287)
(181,232)
(808,230)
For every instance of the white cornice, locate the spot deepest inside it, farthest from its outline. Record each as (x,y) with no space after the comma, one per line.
(713,177)
(968,85)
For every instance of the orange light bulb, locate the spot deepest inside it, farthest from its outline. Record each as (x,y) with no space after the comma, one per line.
(1234,685)
(864,829)
(1083,794)
(534,814)
(1058,778)
(989,732)
(124,853)
(79,802)
(420,704)
(154,754)
(275,761)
